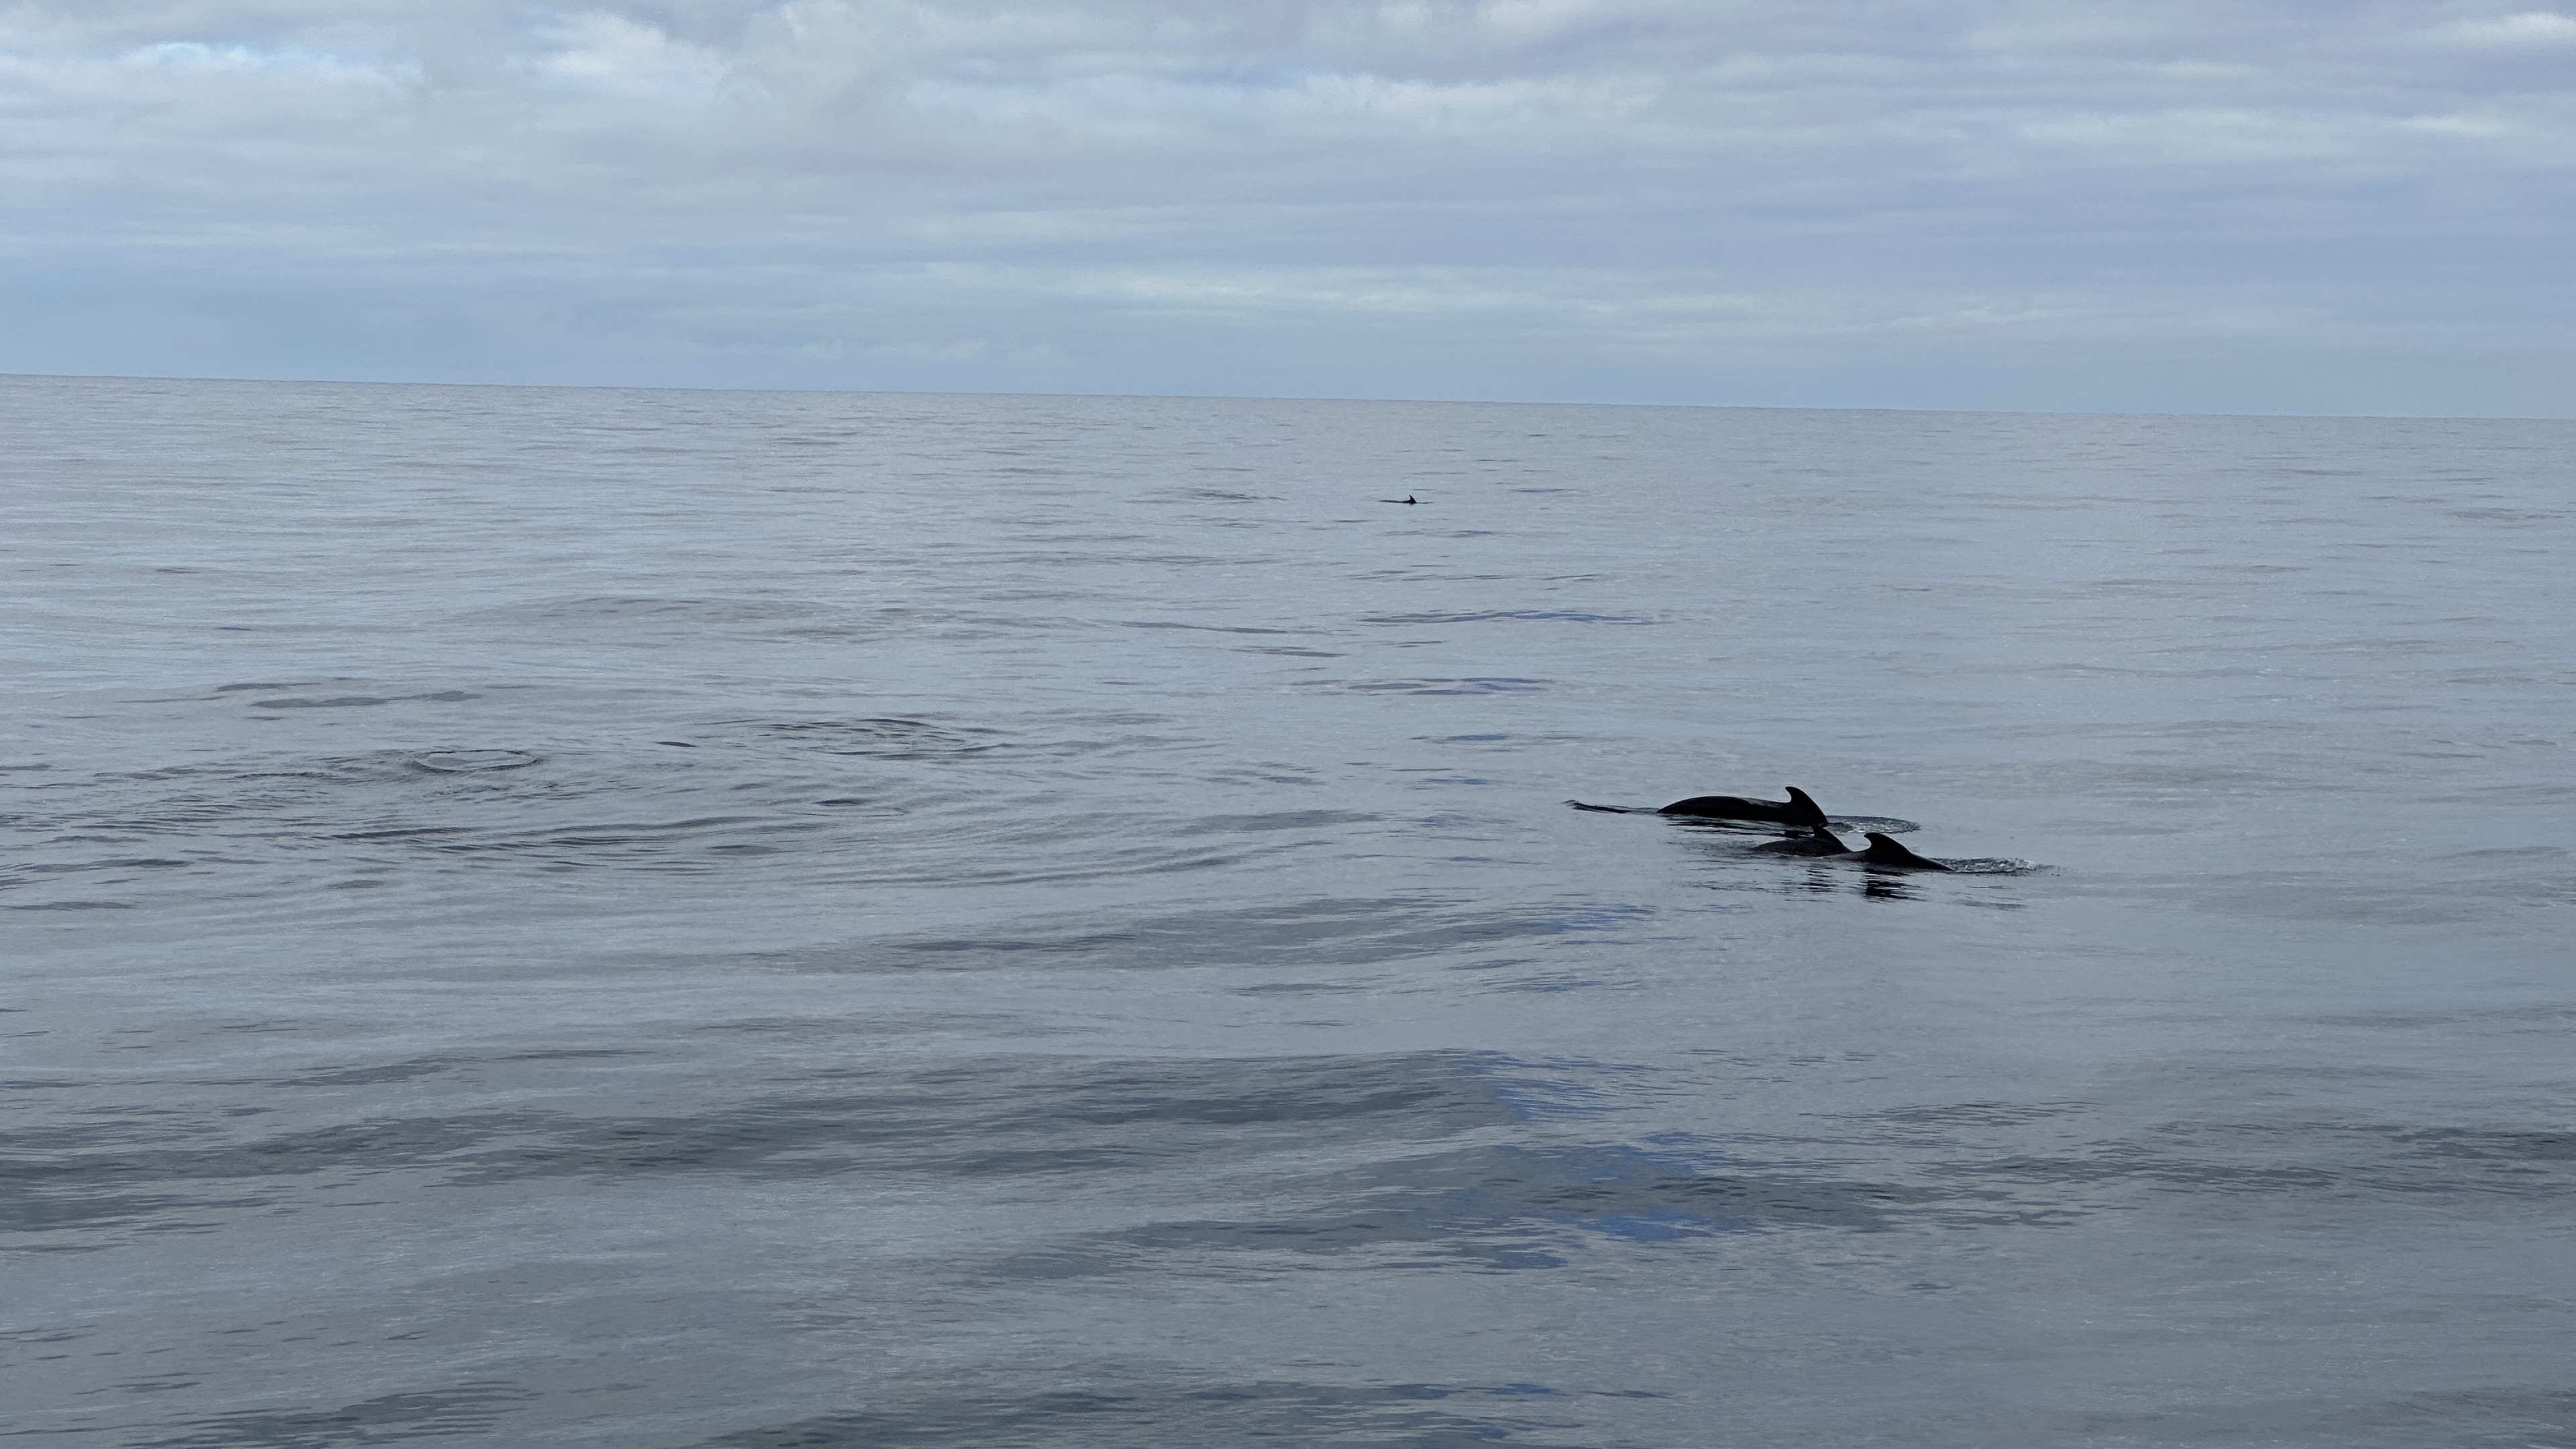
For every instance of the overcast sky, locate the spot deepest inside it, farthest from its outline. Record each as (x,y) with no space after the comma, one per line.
(2186,205)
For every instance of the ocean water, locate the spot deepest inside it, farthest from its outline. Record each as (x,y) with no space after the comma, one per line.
(562,917)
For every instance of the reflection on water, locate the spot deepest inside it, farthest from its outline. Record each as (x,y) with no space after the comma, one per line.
(764,920)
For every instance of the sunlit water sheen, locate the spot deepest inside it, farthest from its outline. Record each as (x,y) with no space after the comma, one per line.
(757,920)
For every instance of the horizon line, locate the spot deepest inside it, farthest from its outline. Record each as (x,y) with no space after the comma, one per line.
(1267,397)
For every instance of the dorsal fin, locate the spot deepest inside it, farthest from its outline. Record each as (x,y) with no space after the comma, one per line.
(1805,810)
(1887,850)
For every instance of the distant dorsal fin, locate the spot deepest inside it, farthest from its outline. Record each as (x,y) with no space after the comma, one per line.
(1805,810)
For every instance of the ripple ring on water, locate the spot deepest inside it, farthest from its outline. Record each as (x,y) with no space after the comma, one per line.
(466,762)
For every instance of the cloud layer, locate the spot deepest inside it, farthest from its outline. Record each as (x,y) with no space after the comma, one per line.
(2258,205)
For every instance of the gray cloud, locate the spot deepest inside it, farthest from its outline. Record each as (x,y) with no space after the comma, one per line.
(2306,206)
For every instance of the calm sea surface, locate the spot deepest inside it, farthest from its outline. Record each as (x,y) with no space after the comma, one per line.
(559,917)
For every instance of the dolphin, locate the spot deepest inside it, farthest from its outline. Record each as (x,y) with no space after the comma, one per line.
(1885,851)
(1820,842)
(1407,498)
(1796,810)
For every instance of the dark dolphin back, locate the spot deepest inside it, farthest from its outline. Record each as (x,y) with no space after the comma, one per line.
(1805,811)
(1735,807)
